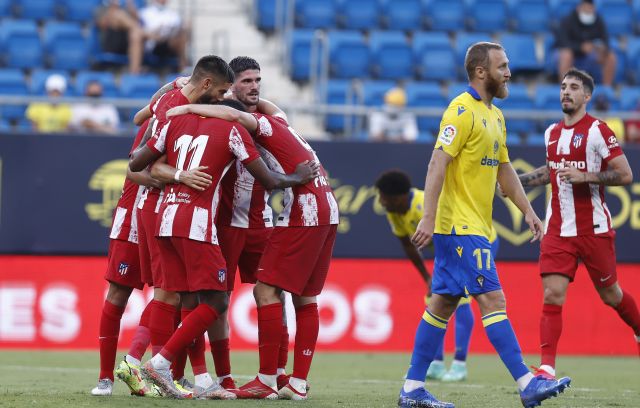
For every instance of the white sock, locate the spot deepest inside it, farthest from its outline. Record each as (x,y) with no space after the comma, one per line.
(298,385)
(459,363)
(132,360)
(203,380)
(410,385)
(524,381)
(160,362)
(281,371)
(223,377)
(268,380)
(548,369)
(638,339)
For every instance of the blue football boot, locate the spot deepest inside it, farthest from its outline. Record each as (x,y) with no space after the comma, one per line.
(421,398)
(540,389)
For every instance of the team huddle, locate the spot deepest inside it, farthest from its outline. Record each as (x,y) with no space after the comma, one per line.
(194,209)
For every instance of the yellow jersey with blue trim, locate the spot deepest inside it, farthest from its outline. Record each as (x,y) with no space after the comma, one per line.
(403,225)
(475,136)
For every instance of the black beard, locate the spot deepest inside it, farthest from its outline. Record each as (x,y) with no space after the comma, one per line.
(205,99)
(568,111)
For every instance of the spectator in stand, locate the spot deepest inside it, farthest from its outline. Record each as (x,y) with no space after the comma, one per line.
(601,104)
(393,123)
(95,116)
(582,41)
(165,33)
(52,116)
(120,31)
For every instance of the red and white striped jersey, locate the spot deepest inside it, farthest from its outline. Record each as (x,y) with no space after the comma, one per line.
(243,200)
(283,149)
(192,141)
(579,209)
(125,220)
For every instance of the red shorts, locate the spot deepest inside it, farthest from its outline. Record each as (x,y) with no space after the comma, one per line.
(124,264)
(598,253)
(242,249)
(191,266)
(297,259)
(150,265)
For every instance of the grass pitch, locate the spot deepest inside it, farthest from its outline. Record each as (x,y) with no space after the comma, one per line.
(64,379)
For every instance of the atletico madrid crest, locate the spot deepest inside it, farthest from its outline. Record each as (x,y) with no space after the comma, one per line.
(577,140)
(123,268)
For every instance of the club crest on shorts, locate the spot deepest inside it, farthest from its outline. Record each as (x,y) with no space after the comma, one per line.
(222,275)
(480,280)
(123,268)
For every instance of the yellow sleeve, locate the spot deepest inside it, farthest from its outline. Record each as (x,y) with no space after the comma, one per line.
(503,152)
(455,129)
(396,228)
(33,112)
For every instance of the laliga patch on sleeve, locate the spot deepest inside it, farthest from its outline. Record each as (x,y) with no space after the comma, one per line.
(447,135)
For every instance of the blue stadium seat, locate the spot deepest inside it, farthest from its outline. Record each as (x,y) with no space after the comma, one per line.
(5,126)
(402,14)
(391,55)
(36,9)
(358,14)
(21,42)
(338,92)
(518,99)
(106,78)
(434,59)
(6,8)
(535,139)
(265,13)
(521,50)
(80,11)
(299,48)
(97,56)
(12,82)
(348,54)
(426,137)
(487,15)
(630,98)
(139,86)
(315,14)
(559,9)
(39,77)
(547,97)
(618,17)
(456,88)
(633,58)
(426,95)
(373,91)
(530,16)
(463,41)
(445,15)
(609,93)
(66,46)
(621,65)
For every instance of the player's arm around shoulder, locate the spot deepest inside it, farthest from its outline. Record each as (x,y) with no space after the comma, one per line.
(247,120)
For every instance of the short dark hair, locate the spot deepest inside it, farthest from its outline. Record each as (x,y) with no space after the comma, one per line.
(213,65)
(583,76)
(233,103)
(394,182)
(241,64)
(478,56)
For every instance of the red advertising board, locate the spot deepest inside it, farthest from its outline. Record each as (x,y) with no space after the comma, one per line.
(367,305)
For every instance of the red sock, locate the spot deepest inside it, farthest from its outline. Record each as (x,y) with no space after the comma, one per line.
(161,325)
(108,338)
(196,349)
(142,336)
(283,353)
(307,327)
(193,326)
(179,360)
(269,332)
(550,330)
(628,311)
(221,358)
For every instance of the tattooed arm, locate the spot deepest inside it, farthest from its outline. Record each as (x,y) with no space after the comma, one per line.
(618,173)
(537,177)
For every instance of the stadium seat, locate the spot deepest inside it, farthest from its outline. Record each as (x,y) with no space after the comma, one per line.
(21,42)
(106,79)
(39,77)
(462,42)
(521,50)
(65,45)
(426,137)
(633,58)
(530,16)
(12,82)
(299,49)
(630,98)
(402,14)
(621,66)
(518,99)
(514,139)
(445,15)
(535,139)
(139,86)
(372,92)
(559,9)
(487,15)
(315,14)
(338,92)
(80,11)
(433,57)
(99,57)
(36,9)
(5,8)
(609,93)
(426,95)
(4,126)
(547,97)
(456,88)
(348,54)
(618,17)
(358,14)
(391,56)
(265,13)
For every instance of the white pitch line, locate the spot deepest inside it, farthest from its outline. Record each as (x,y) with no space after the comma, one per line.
(49,369)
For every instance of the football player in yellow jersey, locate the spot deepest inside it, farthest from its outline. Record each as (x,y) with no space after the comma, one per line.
(469,157)
(403,205)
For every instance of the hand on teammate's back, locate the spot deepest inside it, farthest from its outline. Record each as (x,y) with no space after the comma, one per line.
(307,170)
(178,110)
(196,178)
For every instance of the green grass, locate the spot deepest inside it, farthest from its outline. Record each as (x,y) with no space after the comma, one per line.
(64,379)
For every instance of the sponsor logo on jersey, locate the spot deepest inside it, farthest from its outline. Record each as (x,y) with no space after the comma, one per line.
(307,352)
(123,268)
(108,179)
(613,142)
(488,161)
(577,140)
(448,134)
(578,164)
